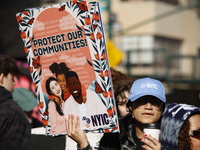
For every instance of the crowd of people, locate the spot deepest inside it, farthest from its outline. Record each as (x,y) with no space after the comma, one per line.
(138,101)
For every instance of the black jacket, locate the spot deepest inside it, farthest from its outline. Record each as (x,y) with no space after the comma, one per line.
(125,140)
(127,136)
(15,130)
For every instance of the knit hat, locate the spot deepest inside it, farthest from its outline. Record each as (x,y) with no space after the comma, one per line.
(147,86)
(173,118)
(25,98)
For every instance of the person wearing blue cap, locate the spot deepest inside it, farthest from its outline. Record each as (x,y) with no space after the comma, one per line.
(146,104)
(180,127)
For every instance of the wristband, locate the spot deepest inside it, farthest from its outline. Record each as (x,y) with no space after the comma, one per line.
(88,147)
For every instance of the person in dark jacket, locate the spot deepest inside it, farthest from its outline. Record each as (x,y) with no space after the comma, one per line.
(146,103)
(15,130)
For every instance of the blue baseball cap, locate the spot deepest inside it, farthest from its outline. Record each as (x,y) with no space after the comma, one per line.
(147,86)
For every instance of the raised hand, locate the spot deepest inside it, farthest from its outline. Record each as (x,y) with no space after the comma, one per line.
(75,132)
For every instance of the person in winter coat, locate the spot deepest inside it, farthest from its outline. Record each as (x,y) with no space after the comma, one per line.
(146,104)
(15,130)
(180,127)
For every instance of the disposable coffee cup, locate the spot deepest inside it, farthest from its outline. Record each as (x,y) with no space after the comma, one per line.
(152,129)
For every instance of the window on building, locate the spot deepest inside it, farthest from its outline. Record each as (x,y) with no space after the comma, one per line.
(140,47)
(174,2)
(172,46)
(150,50)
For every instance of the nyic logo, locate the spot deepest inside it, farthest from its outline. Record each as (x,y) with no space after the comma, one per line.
(97,120)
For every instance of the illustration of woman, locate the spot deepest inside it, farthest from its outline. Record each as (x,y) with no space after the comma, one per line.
(60,70)
(55,105)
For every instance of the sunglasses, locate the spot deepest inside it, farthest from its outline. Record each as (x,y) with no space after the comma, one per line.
(153,101)
(195,133)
